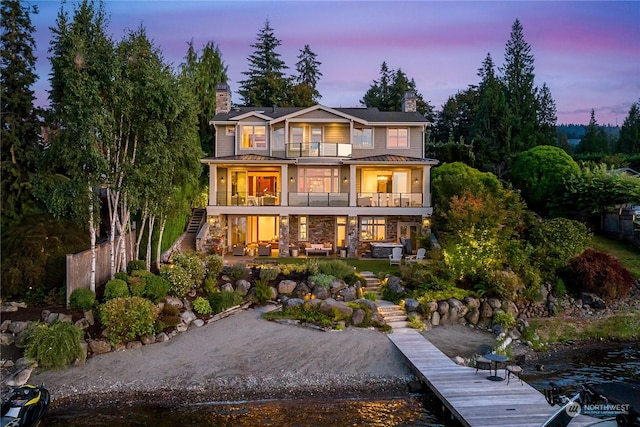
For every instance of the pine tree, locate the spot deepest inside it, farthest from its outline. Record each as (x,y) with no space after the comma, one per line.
(490,129)
(379,93)
(305,92)
(20,124)
(547,117)
(629,140)
(518,79)
(594,139)
(266,84)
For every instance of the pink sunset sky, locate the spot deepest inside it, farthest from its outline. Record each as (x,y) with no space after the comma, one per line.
(587,52)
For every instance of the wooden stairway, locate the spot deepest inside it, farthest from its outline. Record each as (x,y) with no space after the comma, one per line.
(195,222)
(393,314)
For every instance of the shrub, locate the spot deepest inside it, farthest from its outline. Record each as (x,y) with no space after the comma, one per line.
(323,280)
(136,286)
(336,268)
(555,241)
(54,346)
(371,296)
(352,279)
(82,299)
(269,274)
(600,273)
(213,265)
(141,273)
(220,301)
(202,306)
(180,281)
(506,320)
(237,271)
(192,264)
(128,318)
(312,266)
(210,285)
(136,264)
(156,288)
(502,284)
(415,323)
(262,291)
(122,275)
(116,288)
(291,269)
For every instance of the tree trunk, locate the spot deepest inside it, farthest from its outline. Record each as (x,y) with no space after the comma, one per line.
(92,240)
(152,219)
(163,222)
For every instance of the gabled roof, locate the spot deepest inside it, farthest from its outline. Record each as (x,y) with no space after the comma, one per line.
(364,115)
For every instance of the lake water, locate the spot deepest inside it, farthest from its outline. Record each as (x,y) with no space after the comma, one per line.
(609,362)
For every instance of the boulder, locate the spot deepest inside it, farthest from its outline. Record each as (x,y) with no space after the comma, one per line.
(376,319)
(89,316)
(486,312)
(358,317)
(494,303)
(82,324)
(17,326)
(435,318)
(148,339)
(99,346)
(336,286)
(8,309)
(134,345)
(368,303)
(286,287)
(162,337)
(226,287)
(471,302)
(243,286)
(411,305)
(329,306)
(301,290)
(188,317)
(176,302)
(51,318)
(292,302)
(197,323)
(443,307)
(473,316)
(394,284)
(65,318)
(348,294)
(5,325)
(7,338)
(320,293)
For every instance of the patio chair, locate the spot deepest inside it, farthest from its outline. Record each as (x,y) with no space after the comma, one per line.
(516,368)
(481,361)
(419,256)
(396,256)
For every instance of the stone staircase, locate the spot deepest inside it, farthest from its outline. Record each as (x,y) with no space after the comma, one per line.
(393,314)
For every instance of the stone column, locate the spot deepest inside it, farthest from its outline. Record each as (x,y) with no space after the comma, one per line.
(283,241)
(352,237)
(353,196)
(284,183)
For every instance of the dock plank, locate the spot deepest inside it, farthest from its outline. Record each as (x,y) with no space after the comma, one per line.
(468,395)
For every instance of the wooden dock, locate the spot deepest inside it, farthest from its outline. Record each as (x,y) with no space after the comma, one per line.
(471,398)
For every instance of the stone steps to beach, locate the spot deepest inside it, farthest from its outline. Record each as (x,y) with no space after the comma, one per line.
(393,314)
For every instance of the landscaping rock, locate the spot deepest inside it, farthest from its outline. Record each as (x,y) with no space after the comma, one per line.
(394,285)
(320,293)
(358,317)
(176,302)
(243,286)
(348,294)
(411,305)
(286,287)
(99,346)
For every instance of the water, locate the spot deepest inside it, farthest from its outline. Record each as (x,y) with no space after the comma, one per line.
(609,362)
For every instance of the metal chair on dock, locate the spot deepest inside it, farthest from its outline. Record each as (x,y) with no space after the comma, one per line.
(516,368)
(482,362)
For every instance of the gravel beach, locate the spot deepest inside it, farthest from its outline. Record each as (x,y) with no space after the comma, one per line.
(241,357)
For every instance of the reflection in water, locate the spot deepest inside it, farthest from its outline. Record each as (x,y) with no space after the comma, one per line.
(322,413)
(610,362)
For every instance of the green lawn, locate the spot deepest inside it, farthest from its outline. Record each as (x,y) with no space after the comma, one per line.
(628,255)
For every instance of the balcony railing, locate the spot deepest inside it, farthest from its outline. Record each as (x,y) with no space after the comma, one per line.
(248,199)
(318,199)
(399,200)
(318,149)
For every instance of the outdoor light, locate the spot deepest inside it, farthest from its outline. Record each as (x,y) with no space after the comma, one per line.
(426,222)
(284,220)
(222,179)
(291,179)
(352,220)
(344,179)
(416,181)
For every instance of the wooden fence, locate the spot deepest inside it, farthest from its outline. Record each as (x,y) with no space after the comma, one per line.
(79,264)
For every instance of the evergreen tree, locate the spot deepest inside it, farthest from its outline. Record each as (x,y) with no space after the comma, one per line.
(547,117)
(594,139)
(204,70)
(20,124)
(387,93)
(518,79)
(629,140)
(454,121)
(304,91)
(490,129)
(266,83)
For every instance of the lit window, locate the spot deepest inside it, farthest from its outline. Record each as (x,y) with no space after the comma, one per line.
(363,138)
(254,137)
(397,138)
(302,228)
(278,139)
(318,180)
(373,228)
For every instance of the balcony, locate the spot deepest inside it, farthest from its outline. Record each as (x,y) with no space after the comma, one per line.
(247,199)
(317,149)
(398,200)
(318,199)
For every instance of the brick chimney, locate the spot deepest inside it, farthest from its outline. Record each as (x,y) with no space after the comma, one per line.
(223,98)
(409,102)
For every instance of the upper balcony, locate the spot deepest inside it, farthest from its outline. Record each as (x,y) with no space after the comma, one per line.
(317,149)
(382,200)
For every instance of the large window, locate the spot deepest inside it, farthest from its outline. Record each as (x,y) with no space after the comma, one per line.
(254,137)
(278,139)
(302,229)
(373,228)
(318,180)
(397,138)
(363,138)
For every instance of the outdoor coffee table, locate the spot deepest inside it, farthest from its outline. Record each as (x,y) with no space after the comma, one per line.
(495,359)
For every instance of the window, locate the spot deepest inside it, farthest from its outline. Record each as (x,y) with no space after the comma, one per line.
(302,228)
(297,134)
(397,138)
(318,180)
(316,134)
(363,138)
(254,137)
(278,139)
(373,228)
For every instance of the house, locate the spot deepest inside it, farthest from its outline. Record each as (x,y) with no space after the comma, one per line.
(291,177)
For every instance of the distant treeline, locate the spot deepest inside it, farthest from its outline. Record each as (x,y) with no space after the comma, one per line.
(574,131)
